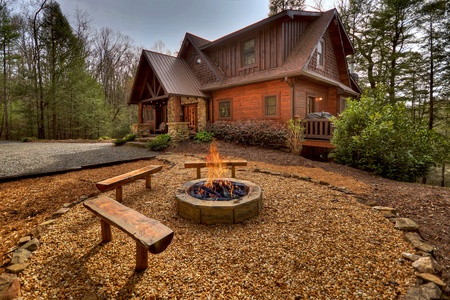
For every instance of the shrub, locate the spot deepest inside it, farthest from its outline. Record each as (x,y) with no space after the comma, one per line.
(295,135)
(204,136)
(104,138)
(253,132)
(161,142)
(27,139)
(127,138)
(382,138)
(119,142)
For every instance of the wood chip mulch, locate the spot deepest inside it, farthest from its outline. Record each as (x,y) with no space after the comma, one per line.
(310,240)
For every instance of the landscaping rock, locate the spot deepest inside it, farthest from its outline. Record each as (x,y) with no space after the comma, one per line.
(411,257)
(32,245)
(17,268)
(24,240)
(426,265)
(405,224)
(12,291)
(418,243)
(20,255)
(429,291)
(60,212)
(431,278)
(6,279)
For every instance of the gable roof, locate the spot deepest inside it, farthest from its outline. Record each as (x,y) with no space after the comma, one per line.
(297,62)
(174,75)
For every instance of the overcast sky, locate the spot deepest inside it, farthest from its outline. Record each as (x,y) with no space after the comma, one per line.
(147,21)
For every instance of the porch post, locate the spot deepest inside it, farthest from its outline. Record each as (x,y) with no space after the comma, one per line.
(140,110)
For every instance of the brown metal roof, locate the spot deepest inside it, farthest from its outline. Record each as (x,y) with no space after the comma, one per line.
(174,74)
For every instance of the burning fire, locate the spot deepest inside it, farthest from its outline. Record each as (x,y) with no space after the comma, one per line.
(214,165)
(215,187)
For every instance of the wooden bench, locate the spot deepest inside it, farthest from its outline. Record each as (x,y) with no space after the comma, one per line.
(118,181)
(150,235)
(225,163)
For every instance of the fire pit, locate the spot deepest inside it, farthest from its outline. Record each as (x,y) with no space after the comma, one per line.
(217,199)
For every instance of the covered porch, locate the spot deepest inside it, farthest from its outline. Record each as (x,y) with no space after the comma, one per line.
(168,97)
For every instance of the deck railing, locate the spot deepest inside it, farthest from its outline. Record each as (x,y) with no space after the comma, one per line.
(321,129)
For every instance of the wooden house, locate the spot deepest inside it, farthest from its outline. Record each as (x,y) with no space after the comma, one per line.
(286,66)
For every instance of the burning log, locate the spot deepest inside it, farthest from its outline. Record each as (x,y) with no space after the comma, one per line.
(221,190)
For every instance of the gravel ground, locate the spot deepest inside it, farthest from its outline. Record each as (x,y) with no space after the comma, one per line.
(310,241)
(28,159)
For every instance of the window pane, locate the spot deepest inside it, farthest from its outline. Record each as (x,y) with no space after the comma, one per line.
(270,105)
(224,109)
(249,52)
(320,47)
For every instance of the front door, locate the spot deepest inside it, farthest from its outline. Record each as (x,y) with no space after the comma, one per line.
(190,116)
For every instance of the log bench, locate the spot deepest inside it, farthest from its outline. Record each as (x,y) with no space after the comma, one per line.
(117,181)
(226,163)
(150,235)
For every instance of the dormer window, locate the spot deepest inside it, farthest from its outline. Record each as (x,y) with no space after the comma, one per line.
(248,50)
(320,53)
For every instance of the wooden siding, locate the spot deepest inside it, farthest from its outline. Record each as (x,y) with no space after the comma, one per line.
(201,71)
(305,89)
(247,102)
(292,30)
(331,68)
(273,43)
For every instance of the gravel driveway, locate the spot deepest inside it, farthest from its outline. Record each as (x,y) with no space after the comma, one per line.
(19,159)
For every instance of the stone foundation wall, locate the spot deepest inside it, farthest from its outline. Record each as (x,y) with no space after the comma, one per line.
(141,130)
(179,131)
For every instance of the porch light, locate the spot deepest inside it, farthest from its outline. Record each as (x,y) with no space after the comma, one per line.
(318,99)
(198,61)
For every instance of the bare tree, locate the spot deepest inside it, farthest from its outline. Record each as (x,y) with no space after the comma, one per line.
(160,47)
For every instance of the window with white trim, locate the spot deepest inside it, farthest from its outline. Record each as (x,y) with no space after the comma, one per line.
(225,109)
(320,53)
(270,106)
(248,50)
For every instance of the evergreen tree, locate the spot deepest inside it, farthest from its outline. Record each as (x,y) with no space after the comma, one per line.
(8,36)
(276,6)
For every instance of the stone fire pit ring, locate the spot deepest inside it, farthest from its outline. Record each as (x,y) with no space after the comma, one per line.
(214,212)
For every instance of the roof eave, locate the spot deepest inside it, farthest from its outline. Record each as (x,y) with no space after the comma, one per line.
(287,13)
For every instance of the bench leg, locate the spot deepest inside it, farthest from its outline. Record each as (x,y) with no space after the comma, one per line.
(141,257)
(148,182)
(119,194)
(199,175)
(233,172)
(106,232)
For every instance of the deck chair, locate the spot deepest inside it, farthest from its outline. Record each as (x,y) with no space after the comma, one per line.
(161,129)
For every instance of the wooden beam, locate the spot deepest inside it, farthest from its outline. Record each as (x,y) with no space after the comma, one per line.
(166,96)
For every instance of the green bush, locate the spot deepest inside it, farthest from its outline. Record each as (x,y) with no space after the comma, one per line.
(253,132)
(161,142)
(295,136)
(204,137)
(119,142)
(382,138)
(127,138)
(27,139)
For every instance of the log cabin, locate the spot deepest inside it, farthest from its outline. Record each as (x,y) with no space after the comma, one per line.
(286,66)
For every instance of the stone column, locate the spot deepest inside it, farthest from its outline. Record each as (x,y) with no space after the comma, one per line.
(179,131)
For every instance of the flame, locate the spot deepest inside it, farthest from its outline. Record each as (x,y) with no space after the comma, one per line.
(214,165)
